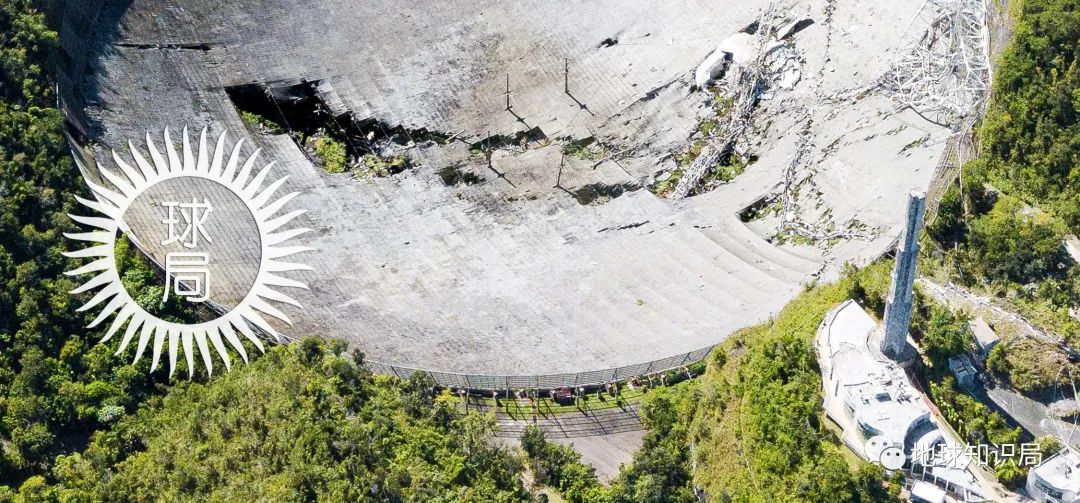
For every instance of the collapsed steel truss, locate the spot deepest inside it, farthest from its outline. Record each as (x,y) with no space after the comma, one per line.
(946,75)
(745,87)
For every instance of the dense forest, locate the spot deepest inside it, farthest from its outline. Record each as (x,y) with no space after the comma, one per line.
(1006,223)
(1002,230)
(56,385)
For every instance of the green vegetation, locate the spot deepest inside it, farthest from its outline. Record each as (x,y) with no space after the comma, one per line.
(1032,252)
(379,166)
(758,425)
(620,397)
(56,385)
(661,469)
(665,187)
(942,334)
(587,149)
(726,172)
(730,164)
(977,424)
(1002,232)
(332,153)
(146,284)
(686,158)
(761,209)
(1031,367)
(302,423)
(560,467)
(264,124)
(722,105)
(1029,136)
(335,156)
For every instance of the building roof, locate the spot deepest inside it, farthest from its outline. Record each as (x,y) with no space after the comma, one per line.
(876,389)
(928,492)
(1061,470)
(878,394)
(984,335)
(962,367)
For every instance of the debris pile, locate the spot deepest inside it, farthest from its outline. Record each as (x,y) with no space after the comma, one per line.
(743,68)
(946,76)
(943,74)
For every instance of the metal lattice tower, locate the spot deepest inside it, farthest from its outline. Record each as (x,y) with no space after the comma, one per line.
(946,75)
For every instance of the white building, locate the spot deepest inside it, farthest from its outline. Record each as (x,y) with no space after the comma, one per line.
(1057,479)
(869,395)
(924,492)
(875,393)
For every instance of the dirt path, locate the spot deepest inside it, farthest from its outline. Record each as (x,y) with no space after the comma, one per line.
(1004,322)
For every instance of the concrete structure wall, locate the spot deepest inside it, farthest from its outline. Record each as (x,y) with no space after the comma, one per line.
(511,275)
(898,306)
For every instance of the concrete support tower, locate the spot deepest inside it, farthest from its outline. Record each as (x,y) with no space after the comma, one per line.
(898,307)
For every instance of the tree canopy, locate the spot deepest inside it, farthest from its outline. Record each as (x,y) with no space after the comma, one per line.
(301,423)
(1002,231)
(56,386)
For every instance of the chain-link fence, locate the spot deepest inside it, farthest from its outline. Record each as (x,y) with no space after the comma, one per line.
(587,379)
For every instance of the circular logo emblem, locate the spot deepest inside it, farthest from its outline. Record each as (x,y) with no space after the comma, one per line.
(880,449)
(186,187)
(873,447)
(893,457)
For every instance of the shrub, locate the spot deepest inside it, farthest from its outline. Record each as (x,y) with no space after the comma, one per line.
(332,153)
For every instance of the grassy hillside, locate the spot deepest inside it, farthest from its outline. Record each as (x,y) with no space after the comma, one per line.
(758,426)
(56,386)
